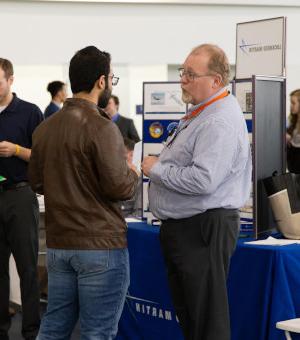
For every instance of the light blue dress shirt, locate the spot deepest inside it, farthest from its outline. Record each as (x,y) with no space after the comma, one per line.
(206,164)
(115,117)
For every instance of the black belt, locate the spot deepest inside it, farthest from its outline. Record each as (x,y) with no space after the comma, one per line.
(12,186)
(208,211)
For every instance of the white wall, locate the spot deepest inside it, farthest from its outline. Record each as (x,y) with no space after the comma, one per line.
(39,35)
(49,33)
(30,81)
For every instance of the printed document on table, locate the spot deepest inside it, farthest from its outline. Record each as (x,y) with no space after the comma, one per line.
(271,241)
(137,155)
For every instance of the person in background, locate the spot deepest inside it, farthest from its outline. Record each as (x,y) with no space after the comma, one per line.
(126,125)
(19,211)
(132,207)
(78,163)
(293,134)
(58,91)
(198,183)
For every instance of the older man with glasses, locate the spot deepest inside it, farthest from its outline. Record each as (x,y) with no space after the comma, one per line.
(198,183)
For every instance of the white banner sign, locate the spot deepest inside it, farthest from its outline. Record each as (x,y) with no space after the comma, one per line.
(260,48)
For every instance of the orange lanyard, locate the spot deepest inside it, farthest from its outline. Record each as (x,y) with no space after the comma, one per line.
(202,107)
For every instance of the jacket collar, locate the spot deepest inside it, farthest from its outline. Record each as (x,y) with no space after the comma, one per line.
(86,103)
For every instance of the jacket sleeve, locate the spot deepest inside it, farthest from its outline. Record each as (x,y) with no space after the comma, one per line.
(35,171)
(116,180)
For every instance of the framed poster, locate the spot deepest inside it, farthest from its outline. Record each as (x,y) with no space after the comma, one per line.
(163,97)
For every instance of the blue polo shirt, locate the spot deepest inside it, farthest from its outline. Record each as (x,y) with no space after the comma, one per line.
(17,123)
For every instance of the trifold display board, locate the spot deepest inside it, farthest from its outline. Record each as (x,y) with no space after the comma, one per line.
(163,108)
(262,100)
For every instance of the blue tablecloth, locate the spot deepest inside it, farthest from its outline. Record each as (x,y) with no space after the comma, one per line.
(263,288)
(148,313)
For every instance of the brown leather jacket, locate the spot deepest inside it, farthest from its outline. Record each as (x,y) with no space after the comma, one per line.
(78,163)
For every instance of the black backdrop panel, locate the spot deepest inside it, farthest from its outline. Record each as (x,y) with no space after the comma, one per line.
(269,144)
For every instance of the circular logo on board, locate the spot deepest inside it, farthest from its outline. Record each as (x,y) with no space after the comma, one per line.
(156,130)
(171,128)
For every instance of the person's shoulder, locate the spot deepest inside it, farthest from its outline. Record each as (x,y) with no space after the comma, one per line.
(99,120)
(29,111)
(51,105)
(101,128)
(125,119)
(28,105)
(228,108)
(48,108)
(232,101)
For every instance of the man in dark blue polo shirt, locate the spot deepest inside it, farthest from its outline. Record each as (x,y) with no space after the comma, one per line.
(19,212)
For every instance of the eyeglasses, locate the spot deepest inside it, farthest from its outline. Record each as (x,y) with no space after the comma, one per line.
(114,80)
(191,75)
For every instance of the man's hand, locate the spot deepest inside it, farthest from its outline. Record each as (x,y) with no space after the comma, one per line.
(133,167)
(7,149)
(148,163)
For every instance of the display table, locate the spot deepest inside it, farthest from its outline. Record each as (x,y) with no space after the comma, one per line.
(263,288)
(148,313)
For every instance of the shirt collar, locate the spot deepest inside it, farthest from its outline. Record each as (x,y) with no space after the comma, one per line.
(11,107)
(192,108)
(55,103)
(115,117)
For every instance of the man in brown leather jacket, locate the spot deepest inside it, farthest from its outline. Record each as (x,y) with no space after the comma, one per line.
(78,163)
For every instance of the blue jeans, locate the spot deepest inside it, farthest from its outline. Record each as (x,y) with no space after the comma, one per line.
(87,284)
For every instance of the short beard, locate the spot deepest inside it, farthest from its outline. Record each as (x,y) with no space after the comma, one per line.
(104,98)
(186,98)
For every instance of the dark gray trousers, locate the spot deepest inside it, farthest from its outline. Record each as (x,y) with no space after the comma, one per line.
(197,254)
(19,216)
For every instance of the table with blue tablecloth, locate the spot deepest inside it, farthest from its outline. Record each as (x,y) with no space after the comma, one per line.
(263,288)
